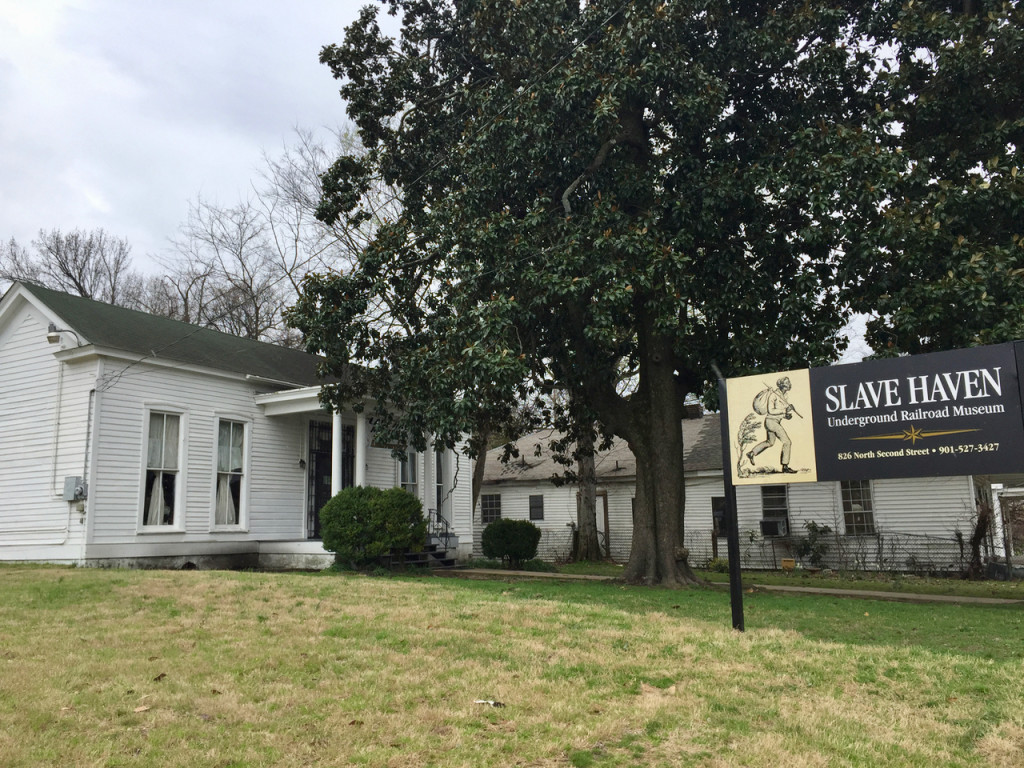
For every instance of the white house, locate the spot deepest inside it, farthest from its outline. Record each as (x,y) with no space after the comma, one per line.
(904,524)
(131,439)
(523,489)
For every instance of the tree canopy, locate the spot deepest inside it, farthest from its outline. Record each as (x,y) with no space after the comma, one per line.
(588,188)
(943,252)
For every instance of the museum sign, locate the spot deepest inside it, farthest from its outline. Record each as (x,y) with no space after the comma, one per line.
(944,413)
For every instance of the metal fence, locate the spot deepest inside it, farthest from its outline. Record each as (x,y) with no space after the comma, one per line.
(888,551)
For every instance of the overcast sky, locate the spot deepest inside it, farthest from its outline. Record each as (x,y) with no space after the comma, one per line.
(115,113)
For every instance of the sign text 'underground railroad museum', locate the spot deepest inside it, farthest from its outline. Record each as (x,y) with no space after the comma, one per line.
(945,413)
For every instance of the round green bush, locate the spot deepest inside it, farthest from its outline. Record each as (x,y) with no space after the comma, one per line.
(511,541)
(718,565)
(360,524)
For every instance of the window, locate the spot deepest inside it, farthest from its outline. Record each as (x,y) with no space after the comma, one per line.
(775,510)
(162,468)
(858,511)
(774,501)
(490,507)
(537,507)
(230,472)
(719,516)
(407,472)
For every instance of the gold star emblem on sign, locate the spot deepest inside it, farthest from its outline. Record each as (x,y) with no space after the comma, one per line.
(913,434)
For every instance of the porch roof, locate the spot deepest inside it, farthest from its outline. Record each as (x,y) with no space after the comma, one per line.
(300,400)
(288,401)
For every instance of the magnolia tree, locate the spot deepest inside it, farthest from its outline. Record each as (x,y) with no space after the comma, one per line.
(941,261)
(588,188)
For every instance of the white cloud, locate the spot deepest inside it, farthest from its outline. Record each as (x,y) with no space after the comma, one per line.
(114,113)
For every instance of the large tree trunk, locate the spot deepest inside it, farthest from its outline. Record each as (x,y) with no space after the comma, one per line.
(589,548)
(656,439)
(478,445)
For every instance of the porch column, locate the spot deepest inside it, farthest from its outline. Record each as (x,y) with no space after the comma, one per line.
(361,440)
(336,441)
(429,475)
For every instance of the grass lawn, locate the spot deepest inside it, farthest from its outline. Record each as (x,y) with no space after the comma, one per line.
(198,668)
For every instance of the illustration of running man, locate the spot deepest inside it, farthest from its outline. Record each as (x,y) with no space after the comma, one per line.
(776,408)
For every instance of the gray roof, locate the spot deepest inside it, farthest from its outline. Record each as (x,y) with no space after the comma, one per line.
(702,450)
(160,338)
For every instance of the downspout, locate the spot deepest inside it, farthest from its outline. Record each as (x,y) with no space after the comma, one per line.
(91,440)
(85,505)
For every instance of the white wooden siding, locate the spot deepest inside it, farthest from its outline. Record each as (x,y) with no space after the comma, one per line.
(937,507)
(560,510)
(934,506)
(460,508)
(382,472)
(699,492)
(620,518)
(42,441)
(276,500)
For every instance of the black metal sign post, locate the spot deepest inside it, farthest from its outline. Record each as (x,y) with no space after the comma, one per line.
(733,534)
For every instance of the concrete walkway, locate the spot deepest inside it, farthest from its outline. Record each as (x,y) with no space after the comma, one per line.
(861,594)
(899,597)
(495,573)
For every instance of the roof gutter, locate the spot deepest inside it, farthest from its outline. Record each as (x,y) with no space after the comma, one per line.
(292,384)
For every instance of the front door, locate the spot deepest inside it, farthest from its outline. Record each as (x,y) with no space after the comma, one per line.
(319,465)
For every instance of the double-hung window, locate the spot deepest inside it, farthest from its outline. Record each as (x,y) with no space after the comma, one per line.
(775,510)
(490,507)
(537,507)
(858,510)
(407,475)
(161,490)
(230,473)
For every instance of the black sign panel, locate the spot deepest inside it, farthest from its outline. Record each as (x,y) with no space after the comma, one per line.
(945,413)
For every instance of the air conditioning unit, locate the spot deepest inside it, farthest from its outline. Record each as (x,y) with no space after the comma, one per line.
(774,527)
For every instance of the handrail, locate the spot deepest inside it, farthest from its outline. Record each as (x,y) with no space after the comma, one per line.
(437,526)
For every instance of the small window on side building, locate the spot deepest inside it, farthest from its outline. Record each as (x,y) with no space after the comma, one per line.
(718,514)
(537,507)
(490,507)
(858,509)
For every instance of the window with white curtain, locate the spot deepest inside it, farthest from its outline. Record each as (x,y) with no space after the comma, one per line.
(407,475)
(230,472)
(162,470)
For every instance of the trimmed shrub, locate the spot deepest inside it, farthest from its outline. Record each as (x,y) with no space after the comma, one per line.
(718,565)
(362,523)
(511,541)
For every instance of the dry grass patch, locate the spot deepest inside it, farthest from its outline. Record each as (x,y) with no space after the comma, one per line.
(112,668)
